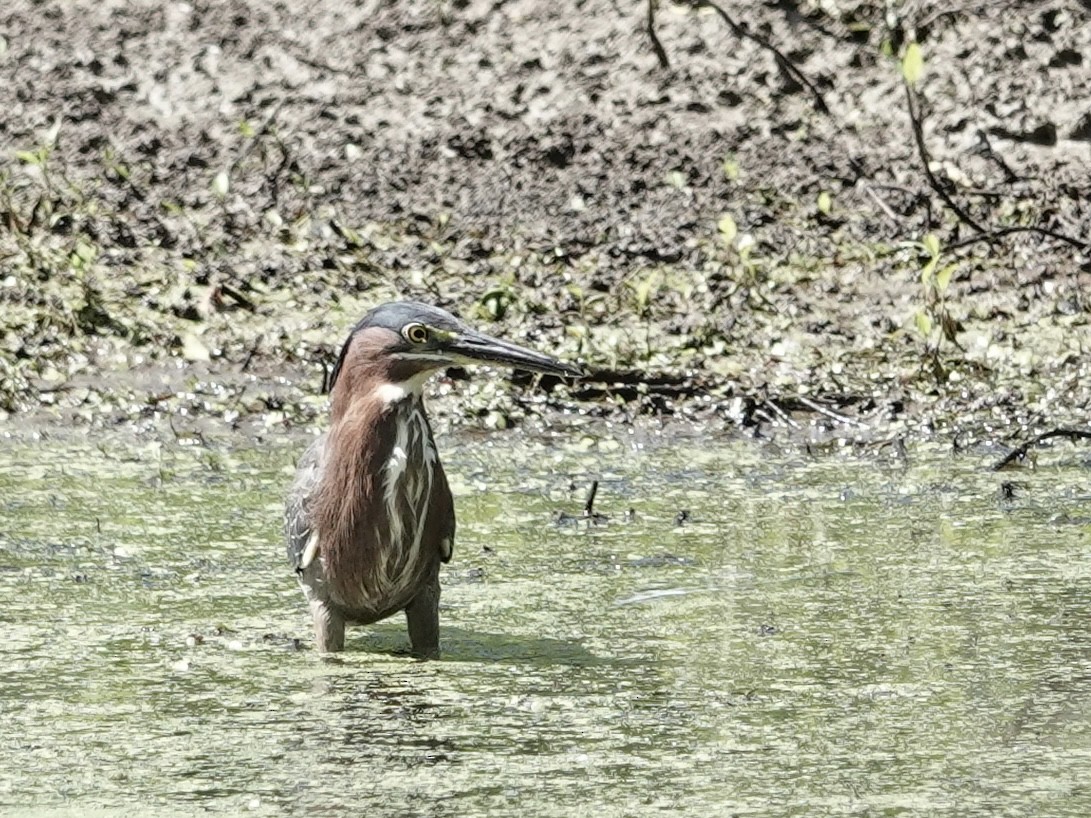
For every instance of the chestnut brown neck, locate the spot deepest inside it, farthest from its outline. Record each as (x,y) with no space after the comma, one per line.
(370,398)
(368,371)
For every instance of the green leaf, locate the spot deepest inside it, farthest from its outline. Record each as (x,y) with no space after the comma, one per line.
(924,323)
(943,278)
(728,228)
(85,251)
(912,64)
(927,270)
(676,179)
(643,290)
(82,255)
(931,244)
(825,203)
(731,169)
(744,245)
(30,157)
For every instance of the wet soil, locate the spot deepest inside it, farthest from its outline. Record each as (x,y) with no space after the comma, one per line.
(197,199)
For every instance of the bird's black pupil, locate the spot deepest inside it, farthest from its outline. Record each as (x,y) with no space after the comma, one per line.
(418,334)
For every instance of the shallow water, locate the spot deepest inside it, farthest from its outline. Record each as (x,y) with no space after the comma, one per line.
(825,636)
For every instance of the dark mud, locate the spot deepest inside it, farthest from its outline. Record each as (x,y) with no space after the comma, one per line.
(198,199)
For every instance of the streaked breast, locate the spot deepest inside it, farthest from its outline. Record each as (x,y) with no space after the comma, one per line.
(407,483)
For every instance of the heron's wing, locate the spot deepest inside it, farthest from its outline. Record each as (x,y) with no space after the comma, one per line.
(302,540)
(445,510)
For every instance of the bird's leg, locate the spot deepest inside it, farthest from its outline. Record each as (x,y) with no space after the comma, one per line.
(422,616)
(329,627)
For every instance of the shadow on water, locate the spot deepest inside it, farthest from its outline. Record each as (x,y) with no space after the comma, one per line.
(466,645)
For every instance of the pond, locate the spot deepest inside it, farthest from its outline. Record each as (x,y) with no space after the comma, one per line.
(753,631)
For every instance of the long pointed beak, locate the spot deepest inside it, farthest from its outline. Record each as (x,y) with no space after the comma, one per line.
(478,348)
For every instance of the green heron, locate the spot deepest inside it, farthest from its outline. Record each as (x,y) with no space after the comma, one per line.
(370,516)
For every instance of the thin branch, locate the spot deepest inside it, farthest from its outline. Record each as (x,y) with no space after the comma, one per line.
(916,118)
(1021,452)
(780,413)
(988,234)
(996,235)
(987,150)
(822,410)
(786,65)
(664,61)
(589,506)
(869,189)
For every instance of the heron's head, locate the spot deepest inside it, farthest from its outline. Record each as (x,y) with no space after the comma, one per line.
(402,343)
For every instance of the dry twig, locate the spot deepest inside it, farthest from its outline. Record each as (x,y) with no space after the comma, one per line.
(1020,453)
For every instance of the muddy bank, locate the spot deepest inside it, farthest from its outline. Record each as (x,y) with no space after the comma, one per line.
(198,199)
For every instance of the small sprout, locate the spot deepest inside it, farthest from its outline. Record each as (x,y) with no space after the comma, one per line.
(352,238)
(931,246)
(82,256)
(912,64)
(926,273)
(924,323)
(645,289)
(728,229)
(825,203)
(246,129)
(36,158)
(731,169)
(943,278)
(743,246)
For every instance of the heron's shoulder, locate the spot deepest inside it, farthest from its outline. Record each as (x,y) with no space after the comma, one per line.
(313,453)
(307,471)
(312,456)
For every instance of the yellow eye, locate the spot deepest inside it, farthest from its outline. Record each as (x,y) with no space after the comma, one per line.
(415,333)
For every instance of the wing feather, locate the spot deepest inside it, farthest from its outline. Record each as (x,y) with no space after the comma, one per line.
(446,514)
(301,539)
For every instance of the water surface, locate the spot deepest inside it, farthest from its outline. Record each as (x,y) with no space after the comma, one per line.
(819,636)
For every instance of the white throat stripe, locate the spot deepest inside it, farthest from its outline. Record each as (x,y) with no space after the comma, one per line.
(395,392)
